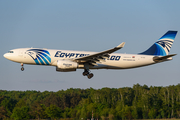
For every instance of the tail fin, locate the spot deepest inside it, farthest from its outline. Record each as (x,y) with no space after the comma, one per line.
(163,45)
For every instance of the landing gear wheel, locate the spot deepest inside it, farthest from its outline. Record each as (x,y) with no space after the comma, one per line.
(90,75)
(22,69)
(85,73)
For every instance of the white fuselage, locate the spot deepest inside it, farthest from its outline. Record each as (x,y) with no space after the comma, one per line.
(115,61)
(66,60)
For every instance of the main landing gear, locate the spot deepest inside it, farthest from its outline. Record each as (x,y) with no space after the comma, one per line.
(87,73)
(22,68)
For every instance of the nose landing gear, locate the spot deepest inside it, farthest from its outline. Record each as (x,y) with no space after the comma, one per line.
(22,68)
(87,73)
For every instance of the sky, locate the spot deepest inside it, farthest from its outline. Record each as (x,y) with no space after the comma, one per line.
(89,25)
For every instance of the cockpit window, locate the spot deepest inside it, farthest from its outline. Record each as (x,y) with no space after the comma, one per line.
(10,51)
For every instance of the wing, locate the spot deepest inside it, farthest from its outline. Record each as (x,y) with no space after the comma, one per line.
(98,57)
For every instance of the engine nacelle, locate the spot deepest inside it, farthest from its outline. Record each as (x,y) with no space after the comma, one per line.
(66,66)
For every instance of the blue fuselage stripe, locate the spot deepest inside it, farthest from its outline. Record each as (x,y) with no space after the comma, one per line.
(44,59)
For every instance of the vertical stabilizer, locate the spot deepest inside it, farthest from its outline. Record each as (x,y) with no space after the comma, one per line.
(163,45)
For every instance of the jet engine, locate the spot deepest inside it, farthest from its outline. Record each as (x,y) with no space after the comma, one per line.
(66,66)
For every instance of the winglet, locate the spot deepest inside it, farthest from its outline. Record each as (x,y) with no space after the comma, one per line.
(121,45)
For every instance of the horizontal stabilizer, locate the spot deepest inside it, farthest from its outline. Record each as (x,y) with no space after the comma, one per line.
(158,59)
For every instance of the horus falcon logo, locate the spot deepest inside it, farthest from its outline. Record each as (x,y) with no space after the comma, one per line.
(166,44)
(40,56)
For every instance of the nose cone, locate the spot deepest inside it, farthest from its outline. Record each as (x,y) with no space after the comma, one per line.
(5,55)
(11,56)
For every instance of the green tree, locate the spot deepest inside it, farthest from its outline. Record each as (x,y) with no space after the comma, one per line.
(20,103)
(66,114)
(152,113)
(8,104)
(21,113)
(126,112)
(53,111)
(38,110)
(3,112)
(105,112)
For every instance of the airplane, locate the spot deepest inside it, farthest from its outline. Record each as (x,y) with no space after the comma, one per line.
(67,60)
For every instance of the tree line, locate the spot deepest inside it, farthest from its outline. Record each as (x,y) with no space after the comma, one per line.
(138,102)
